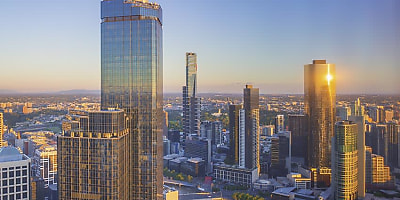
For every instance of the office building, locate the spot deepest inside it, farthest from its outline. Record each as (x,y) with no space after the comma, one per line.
(343,112)
(15,174)
(297,125)
(359,120)
(234,112)
(216,131)
(267,130)
(191,102)
(357,109)
(93,157)
(279,123)
(199,148)
(46,159)
(252,130)
(344,161)
(235,174)
(393,146)
(281,154)
(1,128)
(377,173)
(132,80)
(319,107)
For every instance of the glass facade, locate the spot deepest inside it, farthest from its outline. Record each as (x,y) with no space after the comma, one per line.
(252,130)
(131,79)
(92,157)
(345,163)
(191,103)
(320,109)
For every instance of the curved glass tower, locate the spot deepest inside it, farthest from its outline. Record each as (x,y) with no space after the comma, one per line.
(320,109)
(131,79)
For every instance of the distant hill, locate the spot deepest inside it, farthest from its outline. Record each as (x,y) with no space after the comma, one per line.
(78,92)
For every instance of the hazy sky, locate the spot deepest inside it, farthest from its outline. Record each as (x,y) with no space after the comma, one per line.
(52,45)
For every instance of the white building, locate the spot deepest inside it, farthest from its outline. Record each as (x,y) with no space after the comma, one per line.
(15,174)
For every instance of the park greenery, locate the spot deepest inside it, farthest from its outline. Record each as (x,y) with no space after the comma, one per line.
(177,176)
(245,196)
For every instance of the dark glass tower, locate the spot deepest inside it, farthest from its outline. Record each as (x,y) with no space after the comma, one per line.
(251,107)
(131,79)
(320,109)
(191,103)
(234,112)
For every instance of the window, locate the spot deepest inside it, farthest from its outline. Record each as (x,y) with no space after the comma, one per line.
(4,175)
(24,180)
(24,172)
(5,182)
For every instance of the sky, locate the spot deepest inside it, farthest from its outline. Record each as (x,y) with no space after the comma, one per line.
(54,45)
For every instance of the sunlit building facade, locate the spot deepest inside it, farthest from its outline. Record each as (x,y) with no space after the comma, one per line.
(344,161)
(190,101)
(93,157)
(132,80)
(46,159)
(234,114)
(319,107)
(1,129)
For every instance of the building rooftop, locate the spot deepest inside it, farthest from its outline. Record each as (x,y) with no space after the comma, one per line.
(10,154)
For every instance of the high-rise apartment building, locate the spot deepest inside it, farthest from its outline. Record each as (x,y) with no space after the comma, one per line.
(46,159)
(393,146)
(279,123)
(297,125)
(234,113)
(319,107)
(132,80)
(252,130)
(93,161)
(344,161)
(1,129)
(360,121)
(191,102)
(15,174)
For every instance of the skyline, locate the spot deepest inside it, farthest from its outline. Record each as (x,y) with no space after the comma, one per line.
(264,45)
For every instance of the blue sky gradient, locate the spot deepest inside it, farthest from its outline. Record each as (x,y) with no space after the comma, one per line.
(55,45)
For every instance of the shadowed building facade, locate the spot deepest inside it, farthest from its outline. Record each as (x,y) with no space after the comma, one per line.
(132,80)
(252,132)
(319,107)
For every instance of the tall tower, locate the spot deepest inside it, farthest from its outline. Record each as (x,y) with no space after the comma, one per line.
(252,132)
(132,80)
(234,113)
(279,123)
(319,107)
(191,103)
(344,161)
(1,129)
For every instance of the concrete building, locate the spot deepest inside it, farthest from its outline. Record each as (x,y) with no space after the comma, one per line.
(235,174)
(46,158)
(15,175)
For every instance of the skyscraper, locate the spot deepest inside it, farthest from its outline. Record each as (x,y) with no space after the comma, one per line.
(132,80)
(279,123)
(319,107)
(1,129)
(92,156)
(360,121)
(252,130)
(191,103)
(344,161)
(298,128)
(16,176)
(234,112)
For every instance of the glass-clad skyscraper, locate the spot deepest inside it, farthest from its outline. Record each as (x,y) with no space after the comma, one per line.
(344,161)
(131,79)
(320,109)
(191,103)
